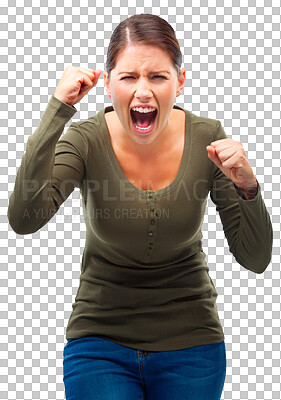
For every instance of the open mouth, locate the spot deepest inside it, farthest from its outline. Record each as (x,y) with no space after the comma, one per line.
(143,120)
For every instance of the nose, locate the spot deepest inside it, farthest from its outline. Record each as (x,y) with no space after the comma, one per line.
(143,91)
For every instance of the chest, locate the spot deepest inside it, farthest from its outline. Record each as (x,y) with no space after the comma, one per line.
(154,173)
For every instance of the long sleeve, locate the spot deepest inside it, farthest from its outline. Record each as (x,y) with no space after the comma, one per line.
(246,223)
(49,170)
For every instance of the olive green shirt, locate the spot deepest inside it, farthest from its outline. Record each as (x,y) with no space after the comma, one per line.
(144,280)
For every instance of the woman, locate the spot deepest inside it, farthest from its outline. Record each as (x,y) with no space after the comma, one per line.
(144,322)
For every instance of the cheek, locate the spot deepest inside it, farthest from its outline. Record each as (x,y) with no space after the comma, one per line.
(168,90)
(120,97)
(122,94)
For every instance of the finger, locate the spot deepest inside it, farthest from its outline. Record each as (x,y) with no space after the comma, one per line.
(86,83)
(94,81)
(226,153)
(225,145)
(236,161)
(92,74)
(87,71)
(213,156)
(97,75)
(217,142)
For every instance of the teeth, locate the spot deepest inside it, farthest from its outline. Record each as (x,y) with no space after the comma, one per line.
(143,110)
(144,129)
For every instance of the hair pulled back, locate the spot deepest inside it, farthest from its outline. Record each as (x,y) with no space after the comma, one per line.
(143,29)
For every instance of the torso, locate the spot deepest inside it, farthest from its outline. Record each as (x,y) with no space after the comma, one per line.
(154,174)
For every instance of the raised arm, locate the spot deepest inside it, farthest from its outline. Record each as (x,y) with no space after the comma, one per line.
(51,168)
(37,195)
(246,223)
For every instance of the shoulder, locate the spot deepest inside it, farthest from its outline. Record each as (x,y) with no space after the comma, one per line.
(203,123)
(89,129)
(207,128)
(83,135)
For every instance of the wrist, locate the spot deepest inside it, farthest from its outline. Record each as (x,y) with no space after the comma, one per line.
(249,192)
(62,100)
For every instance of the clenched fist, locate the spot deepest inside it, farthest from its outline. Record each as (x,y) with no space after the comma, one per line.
(230,157)
(75,83)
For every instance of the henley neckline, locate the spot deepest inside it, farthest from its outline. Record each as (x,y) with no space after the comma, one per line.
(116,166)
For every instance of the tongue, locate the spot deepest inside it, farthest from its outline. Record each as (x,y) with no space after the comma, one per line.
(143,120)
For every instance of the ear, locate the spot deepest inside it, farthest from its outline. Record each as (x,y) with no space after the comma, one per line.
(181,80)
(106,82)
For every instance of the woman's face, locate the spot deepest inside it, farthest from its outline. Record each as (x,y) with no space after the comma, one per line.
(144,76)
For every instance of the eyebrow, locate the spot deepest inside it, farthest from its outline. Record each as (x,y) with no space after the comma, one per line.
(150,73)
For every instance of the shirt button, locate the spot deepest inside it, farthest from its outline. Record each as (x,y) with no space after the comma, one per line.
(148,254)
(152,222)
(152,208)
(150,248)
(150,244)
(149,195)
(150,233)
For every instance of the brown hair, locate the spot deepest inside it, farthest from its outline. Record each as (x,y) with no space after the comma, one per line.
(147,29)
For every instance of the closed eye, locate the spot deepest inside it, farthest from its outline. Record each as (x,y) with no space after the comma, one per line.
(155,76)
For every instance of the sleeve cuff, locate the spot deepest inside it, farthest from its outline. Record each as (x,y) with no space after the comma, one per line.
(239,192)
(66,109)
(242,196)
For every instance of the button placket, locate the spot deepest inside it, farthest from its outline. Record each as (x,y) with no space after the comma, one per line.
(151,229)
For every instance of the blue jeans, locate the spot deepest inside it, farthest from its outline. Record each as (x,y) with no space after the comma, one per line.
(99,369)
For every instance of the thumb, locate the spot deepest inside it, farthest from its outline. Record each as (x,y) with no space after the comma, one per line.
(213,155)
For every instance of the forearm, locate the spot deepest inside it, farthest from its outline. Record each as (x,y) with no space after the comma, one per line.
(253,241)
(31,200)
(246,224)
